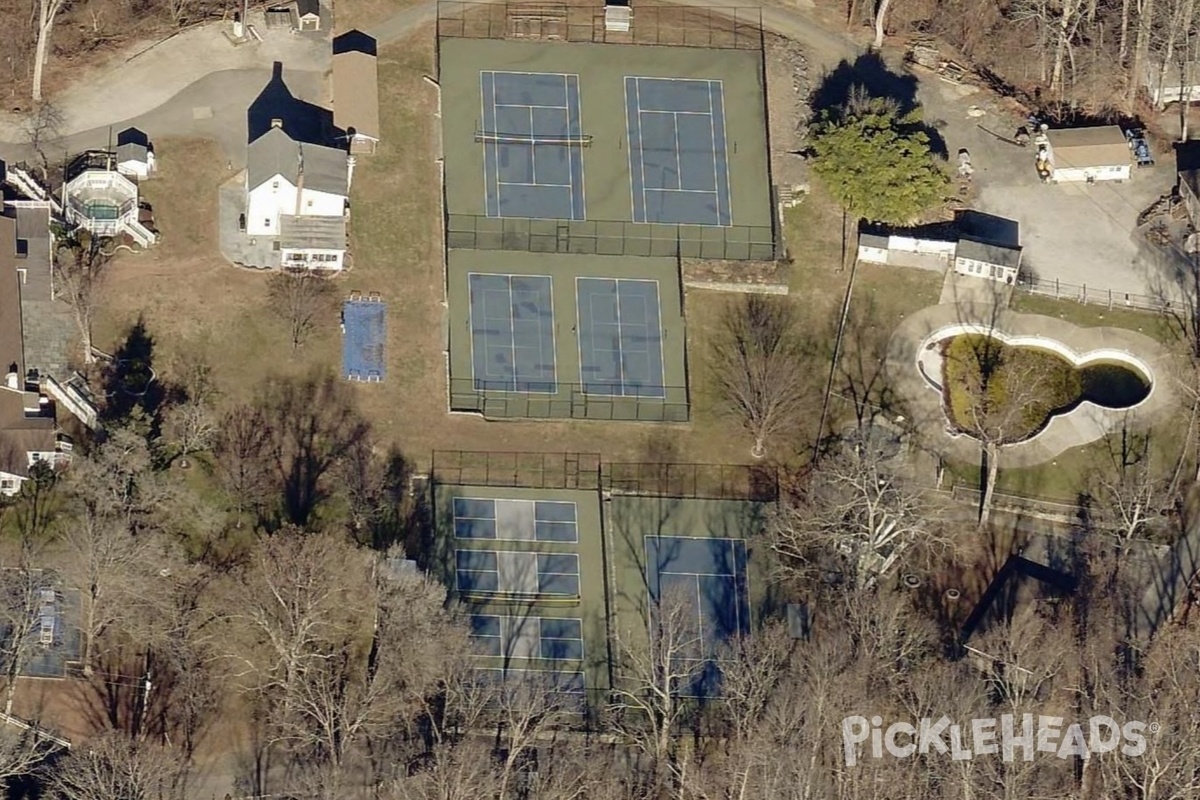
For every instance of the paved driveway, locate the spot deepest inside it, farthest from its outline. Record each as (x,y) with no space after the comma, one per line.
(1078,234)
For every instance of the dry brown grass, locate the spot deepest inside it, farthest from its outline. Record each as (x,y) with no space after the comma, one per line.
(363,14)
(190,298)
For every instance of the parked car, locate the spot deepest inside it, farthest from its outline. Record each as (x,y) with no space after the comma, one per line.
(1140,147)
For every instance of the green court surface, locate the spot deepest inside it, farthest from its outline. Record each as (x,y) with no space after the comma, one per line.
(604,207)
(537,335)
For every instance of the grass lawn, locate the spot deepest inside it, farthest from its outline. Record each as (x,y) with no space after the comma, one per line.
(1074,472)
(195,304)
(1156,326)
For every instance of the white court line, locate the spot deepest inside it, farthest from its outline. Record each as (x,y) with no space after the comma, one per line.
(553,380)
(532,150)
(576,150)
(531,105)
(483,121)
(543,185)
(683,191)
(678,113)
(678,156)
(629,145)
(712,127)
(641,146)
(512,335)
(672,572)
(725,148)
(700,617)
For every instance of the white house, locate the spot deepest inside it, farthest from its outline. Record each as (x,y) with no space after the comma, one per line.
(982,259)
(1088,155)
(288,178)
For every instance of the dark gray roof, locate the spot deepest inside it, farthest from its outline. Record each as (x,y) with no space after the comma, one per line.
(873,240)
(132,152)
(317,233)
(306,7)
(989,253)
(276,153)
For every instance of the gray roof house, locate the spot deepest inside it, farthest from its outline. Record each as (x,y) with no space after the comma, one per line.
(275,153)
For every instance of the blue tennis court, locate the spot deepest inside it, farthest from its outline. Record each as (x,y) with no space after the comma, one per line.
(713,572)
(515,520)
(620,337)
(508,572)
(678,163)
(532,145)
(364,327)
(512,333)
(528,637)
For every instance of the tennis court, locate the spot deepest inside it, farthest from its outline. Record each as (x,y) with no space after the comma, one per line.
(528,637)
(709,572)
(512,333)
(678,164)
(532,142)
(515,520)
(364,332)
(620,337)
(509,572)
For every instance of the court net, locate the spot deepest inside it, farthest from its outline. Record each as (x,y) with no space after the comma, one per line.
(515,138)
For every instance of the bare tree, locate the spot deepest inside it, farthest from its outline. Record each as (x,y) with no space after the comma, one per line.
(859,509)
(116,766)
(190,426)
(79,272)
(41,126)
(242,458)
(881,10)
(656,673)
(47,13)
(303,300)
(758,359)
(1131,492)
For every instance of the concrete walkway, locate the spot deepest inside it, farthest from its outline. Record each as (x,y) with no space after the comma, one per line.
(1087,423)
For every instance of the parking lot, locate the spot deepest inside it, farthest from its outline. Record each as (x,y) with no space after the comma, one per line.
(1078,234)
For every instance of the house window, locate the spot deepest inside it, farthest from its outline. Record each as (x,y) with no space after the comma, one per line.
(275,184)
(310,203)
(267,222)
(8,485)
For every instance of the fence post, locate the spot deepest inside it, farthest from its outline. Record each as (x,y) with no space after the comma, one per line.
(1110,299)
(1085,294)
(1056,288)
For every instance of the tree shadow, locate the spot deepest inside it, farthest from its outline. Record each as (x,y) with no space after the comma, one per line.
(130,382)
(870,72)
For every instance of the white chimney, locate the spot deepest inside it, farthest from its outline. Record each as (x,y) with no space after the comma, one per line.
(277,123)
(350,161)
(12,381)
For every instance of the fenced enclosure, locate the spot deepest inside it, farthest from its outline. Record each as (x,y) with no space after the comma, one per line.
(612,238)
(1090,296)
(698,481)
(524,470)
(570,401)
(728,28)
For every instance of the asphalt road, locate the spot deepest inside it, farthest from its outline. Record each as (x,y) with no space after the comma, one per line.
(198,84)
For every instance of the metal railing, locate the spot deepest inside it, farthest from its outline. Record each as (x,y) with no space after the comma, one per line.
(1083,294)
(612,238)
(511,469)
(571,401)
(724,27)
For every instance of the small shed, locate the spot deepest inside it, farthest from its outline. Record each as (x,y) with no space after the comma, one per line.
(134,154)
(873,248)
(1088,155)
(618,16)
(308,15)
(981,259)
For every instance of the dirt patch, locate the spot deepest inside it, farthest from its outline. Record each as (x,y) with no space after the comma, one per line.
(730,275)
(788,113)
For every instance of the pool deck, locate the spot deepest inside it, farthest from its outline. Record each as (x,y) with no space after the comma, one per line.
(1087,423)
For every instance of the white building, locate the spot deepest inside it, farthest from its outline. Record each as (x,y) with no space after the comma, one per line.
(982,259)
(288,178)
(101,200)
(135,160)
(1078,155)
